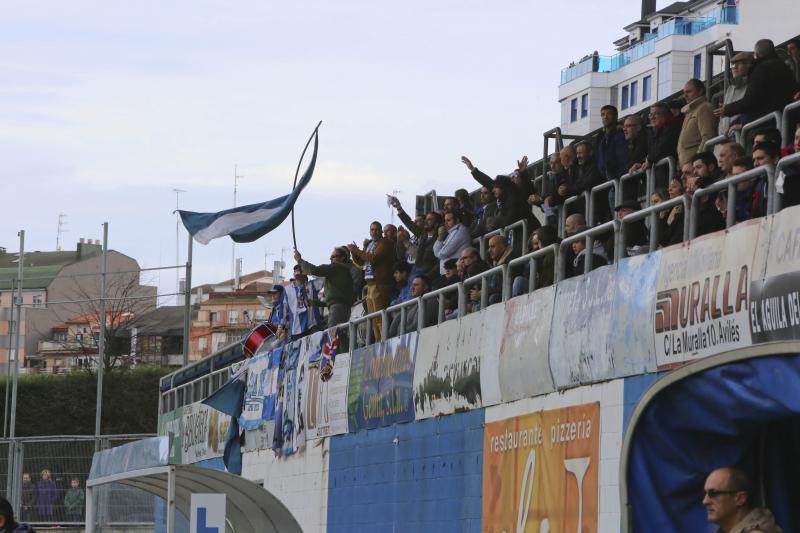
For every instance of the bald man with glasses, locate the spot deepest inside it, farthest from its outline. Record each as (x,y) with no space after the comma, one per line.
(726,497)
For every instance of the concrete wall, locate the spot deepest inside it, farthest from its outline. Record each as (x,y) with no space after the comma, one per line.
(299,481)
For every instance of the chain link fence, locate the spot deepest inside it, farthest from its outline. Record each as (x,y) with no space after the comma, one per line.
(46,483)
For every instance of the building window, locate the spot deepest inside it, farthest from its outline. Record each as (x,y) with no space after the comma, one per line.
(584,105)
(646,89)
(623,102)
(634,92)
(698,61)
(214,316)
(37,299)
(233,317)
(573,110)
(261,314)
(202,343)
(664,76)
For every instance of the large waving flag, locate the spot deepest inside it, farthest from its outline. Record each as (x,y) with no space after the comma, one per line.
(248,222)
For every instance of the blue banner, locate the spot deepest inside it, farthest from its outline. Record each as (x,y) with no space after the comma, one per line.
(381,383)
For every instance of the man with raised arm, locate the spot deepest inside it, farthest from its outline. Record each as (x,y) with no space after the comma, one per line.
(338,285)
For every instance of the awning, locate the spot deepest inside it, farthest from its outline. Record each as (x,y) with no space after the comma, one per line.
(740,408)
(143,464)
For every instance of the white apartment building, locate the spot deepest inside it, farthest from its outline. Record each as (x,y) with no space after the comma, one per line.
(664,49)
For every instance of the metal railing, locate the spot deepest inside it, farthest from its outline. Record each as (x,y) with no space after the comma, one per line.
(483,240)
(562,211)
(651,212)
(669,162)
(631,176)
(590,208)
(440,295)
(714,141)
(789,160)
(531,259)
(729,184)
(774,117)
(786,121)
(588,236)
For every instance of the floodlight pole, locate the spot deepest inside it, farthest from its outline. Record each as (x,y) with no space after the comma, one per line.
(101,343)
(12,481)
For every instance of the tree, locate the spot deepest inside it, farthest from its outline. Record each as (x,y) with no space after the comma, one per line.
(126,302)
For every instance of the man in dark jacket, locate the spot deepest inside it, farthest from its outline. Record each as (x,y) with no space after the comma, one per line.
(426,263)
(662,141)
(709,218)
(587,176)
(7,522)
(338,285)
(517,187)
(636,138)
(611,149)
(770,86)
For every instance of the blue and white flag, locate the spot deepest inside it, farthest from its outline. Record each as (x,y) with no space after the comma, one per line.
(248,222)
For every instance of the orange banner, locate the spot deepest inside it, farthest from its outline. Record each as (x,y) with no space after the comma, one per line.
(540,472)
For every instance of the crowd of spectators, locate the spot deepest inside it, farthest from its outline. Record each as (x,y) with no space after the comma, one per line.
(439,248)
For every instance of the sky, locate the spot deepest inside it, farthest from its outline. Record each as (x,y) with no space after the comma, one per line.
(107,107)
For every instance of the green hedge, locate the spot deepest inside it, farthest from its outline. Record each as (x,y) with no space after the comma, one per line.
(65,404)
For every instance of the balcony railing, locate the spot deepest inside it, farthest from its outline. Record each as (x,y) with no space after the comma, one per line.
(680,26)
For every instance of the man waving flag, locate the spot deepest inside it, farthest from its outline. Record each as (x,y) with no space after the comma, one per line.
(248,222)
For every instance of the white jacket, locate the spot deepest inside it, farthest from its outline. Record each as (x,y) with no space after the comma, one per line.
(457,239)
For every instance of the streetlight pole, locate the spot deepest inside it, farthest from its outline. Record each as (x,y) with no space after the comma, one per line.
(101,343)
(13,477)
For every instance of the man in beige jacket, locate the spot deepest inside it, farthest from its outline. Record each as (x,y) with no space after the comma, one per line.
(727,495)
(699,123)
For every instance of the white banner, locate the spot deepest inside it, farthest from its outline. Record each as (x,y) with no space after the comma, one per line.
(702,296)
(204,430)
(326,410)
(582,318)
(491,337)
(524,362)
(434,371)
(630,338)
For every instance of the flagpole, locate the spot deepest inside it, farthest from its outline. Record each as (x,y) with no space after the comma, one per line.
(297,172)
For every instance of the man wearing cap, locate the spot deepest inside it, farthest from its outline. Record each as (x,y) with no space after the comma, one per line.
(278,314)
(338,285)
(303,316)
(770,85)
(740,67)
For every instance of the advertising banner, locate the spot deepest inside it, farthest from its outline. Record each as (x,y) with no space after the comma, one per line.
(582,319)
(701,305)
(171,425)
(447,371)
(491,337)
(540,471)
(631,339)
(774,299)
(326,410)
(204,429)
(524,362)
(381,383)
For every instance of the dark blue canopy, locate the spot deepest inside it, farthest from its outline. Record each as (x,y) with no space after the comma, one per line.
(744,414)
